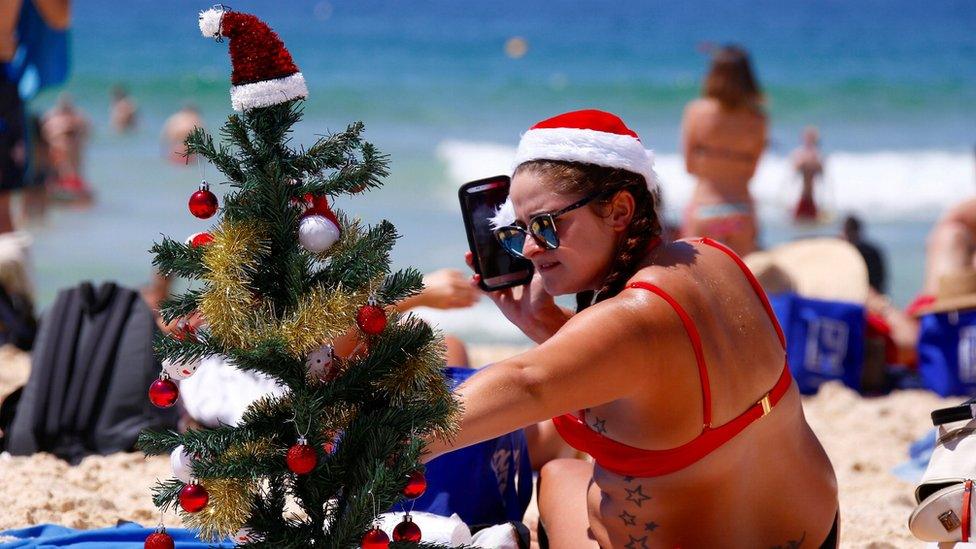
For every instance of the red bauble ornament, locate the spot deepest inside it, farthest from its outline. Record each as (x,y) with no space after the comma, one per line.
(203,203)
(301,457)
(375,539)
(163,392)
(371,319)
(200,239)
(407,530)
(193,498)
(416,485)
(159,540)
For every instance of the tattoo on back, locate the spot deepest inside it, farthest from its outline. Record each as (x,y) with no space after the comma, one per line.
(791,544)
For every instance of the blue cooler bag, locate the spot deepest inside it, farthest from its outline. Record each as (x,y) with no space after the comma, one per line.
(824,340)
(947,353)
(487,483)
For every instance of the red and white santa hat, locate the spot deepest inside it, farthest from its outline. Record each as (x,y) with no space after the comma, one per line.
(588,136)
(263,71)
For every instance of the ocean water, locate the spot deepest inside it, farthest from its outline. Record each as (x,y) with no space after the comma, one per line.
(891,85)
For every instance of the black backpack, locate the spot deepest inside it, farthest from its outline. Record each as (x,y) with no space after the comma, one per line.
(90,370)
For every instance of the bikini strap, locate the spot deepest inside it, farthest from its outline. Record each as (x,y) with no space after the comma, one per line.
(752,282)
(696,344)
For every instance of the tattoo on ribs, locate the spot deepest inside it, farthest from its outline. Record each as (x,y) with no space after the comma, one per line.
(650,526)
(629,520)
(637,495)
(636,543)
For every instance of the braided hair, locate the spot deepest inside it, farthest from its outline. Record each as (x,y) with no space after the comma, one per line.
(577,178)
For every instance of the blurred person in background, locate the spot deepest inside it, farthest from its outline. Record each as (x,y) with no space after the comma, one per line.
(175,131)
(67,130)
(32,36)
(809,164)
(723,134)
(122,113)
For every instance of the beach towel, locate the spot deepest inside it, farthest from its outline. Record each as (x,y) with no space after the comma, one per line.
(824,340)
(92,363)
(127,535)
(947,352)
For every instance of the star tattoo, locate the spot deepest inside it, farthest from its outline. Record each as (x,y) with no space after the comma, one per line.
(600,425)
(629,520)
(637,495)
(633,543)
(650,526)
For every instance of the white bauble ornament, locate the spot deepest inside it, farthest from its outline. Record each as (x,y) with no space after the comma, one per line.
(181,464)
(317,234)
(319,363)
(244,535)
(180,370)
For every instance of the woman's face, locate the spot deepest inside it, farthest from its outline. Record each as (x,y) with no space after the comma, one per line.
(586,240)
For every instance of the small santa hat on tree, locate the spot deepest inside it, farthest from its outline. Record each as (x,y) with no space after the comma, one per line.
(263,71)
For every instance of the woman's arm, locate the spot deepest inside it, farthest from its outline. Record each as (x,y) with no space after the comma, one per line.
(590,361)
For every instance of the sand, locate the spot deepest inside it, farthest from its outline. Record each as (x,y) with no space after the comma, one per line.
(865,438)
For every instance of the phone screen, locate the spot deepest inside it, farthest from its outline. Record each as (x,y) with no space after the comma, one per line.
(498,268)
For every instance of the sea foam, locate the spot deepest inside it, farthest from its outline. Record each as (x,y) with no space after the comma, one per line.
(878,185)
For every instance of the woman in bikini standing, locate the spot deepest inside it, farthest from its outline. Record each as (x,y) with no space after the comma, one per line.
(723,136)
(673,378)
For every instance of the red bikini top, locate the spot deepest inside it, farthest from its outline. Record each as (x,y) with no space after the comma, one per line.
(637,462)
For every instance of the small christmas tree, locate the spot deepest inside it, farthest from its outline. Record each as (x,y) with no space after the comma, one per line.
(282,276)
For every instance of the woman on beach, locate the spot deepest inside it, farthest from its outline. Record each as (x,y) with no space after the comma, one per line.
(673,378)
(723,134)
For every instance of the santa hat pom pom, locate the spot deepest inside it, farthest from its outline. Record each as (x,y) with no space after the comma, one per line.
(505,215)
(210,22)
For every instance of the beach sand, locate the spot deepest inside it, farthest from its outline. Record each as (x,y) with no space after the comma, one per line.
(865,438)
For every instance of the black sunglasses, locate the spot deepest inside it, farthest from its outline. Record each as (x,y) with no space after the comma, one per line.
(542,228)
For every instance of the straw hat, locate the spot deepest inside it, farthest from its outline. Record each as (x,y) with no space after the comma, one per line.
(819,268)
(957,292)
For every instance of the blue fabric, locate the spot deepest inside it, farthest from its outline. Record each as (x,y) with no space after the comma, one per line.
(124,536)
(947,352)
(488,483)
(41,59)
(824,340)
(919,453)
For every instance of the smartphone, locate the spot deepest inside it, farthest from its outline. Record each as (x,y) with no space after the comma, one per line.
(498,268)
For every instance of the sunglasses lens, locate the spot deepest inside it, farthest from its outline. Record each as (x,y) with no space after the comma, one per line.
(544,228)
(511,239)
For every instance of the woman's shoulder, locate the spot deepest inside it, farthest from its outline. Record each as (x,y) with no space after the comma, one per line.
(680,266)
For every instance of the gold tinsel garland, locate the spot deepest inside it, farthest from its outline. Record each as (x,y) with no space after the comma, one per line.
(228,303)
(227,511)
(238,318)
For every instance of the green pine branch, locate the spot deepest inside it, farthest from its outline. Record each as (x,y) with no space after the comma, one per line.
(180,305)
(176,258)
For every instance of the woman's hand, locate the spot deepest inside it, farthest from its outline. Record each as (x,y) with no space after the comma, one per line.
(529,307)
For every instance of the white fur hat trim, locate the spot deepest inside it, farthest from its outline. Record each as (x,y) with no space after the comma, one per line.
(268,92)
